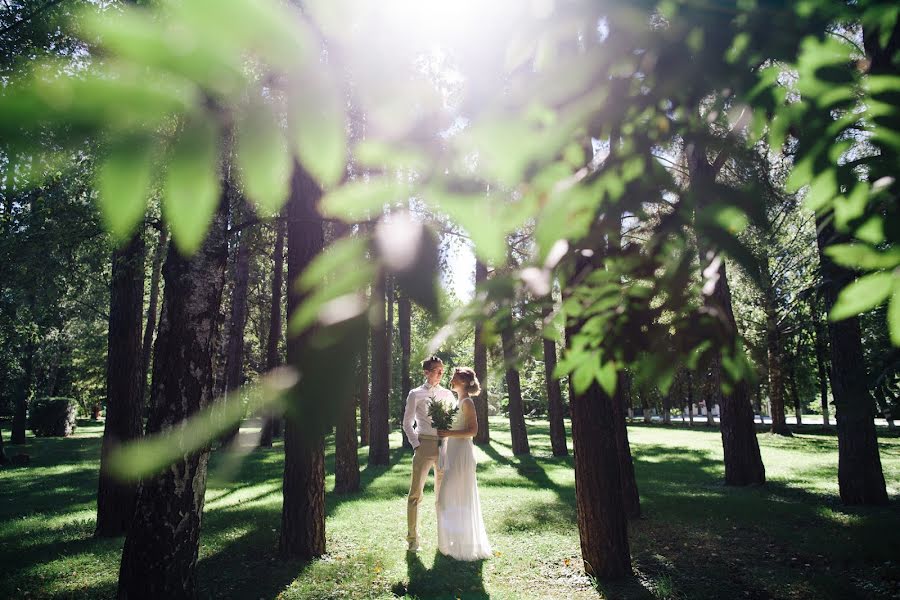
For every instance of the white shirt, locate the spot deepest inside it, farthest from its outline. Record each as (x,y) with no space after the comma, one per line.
(417,411)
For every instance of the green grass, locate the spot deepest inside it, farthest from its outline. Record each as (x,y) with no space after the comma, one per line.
(698,539)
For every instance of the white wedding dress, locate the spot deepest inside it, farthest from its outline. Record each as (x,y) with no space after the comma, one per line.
(461,532)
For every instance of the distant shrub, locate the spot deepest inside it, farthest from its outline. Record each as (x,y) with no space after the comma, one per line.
(52,417)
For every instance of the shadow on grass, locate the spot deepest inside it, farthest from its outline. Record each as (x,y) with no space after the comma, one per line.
(447,578)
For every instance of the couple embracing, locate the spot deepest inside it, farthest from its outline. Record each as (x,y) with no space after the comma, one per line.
(451,453)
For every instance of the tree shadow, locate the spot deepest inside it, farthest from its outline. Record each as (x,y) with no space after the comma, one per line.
(447,577)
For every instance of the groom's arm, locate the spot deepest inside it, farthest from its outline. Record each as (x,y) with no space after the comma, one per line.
(409,417)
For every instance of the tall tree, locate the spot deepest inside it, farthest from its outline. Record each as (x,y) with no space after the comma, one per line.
(152,306)
(743,463)
(303,507)
(379,448)
(346,455)
(622,398)
(602,521)
(362,386)
(404,327)
(274,336)
(479,358)
(124,386)
(160,553)
(774,346)
(237,322)
(514,390)
(554,395)
(821,345)
(860,478)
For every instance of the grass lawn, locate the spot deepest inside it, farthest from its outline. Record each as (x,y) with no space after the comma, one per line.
(698,539)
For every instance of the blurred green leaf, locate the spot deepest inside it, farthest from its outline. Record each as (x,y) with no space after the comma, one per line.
(191,192)
(335,259)
(318,124)
(863,294)
(263,157)
(360,200)
(270,30)
(893,315)
(123,184)
(863,257)
(150,455)
(140,36)
(607,376)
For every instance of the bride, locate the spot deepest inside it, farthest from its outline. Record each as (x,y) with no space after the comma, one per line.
(461,531)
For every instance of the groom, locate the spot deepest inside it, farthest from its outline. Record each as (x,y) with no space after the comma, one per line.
(424,441)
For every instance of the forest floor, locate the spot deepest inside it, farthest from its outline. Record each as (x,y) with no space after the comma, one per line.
(790,538)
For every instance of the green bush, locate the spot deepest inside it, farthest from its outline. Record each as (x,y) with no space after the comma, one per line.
(52,417)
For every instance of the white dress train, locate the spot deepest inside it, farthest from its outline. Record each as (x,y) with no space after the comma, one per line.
(461,532)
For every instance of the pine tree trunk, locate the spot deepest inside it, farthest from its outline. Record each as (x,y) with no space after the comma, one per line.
(303,507)
(379,431)
(20,419)
(480,365)
(743,463)
(404,326)
(3,459)
(602,521)
(363,391)
(269,422)
(237,322)
(124,386)
(514,389)
(346,455)
(821,360)
(860,478)
(554,396)
(152,308)
(630,498)
(160,553)
(775,353)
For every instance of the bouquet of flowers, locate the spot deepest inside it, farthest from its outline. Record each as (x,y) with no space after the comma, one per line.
(441,413)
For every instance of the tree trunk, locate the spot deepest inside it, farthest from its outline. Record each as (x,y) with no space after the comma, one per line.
(554,396)
(667,408)
(798,408)
(363,387)
(821,359)
(602,521)
(743,463)
(19,422)
(480,365)
(404,325)
(630,498)
(269,422)
(160,553)
(514,388)
(860,477)
(124,386)
(379,431)
(234,349)
(152,308)
(3,459)
(303,507)
(775,352)
(346,455)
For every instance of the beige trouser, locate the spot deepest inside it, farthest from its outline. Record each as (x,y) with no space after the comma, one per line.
(425,458)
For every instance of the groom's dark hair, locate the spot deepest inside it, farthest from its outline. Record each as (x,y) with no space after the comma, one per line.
(431,362)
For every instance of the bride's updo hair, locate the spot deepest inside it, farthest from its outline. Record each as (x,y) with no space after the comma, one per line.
(467,376)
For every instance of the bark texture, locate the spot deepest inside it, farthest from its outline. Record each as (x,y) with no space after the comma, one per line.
(274,336)
(480,365)
(514,389)
(303,508)
(160,555)
(124,384)
(554,396)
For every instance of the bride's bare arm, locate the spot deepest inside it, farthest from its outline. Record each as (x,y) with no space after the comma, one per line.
(469,418)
